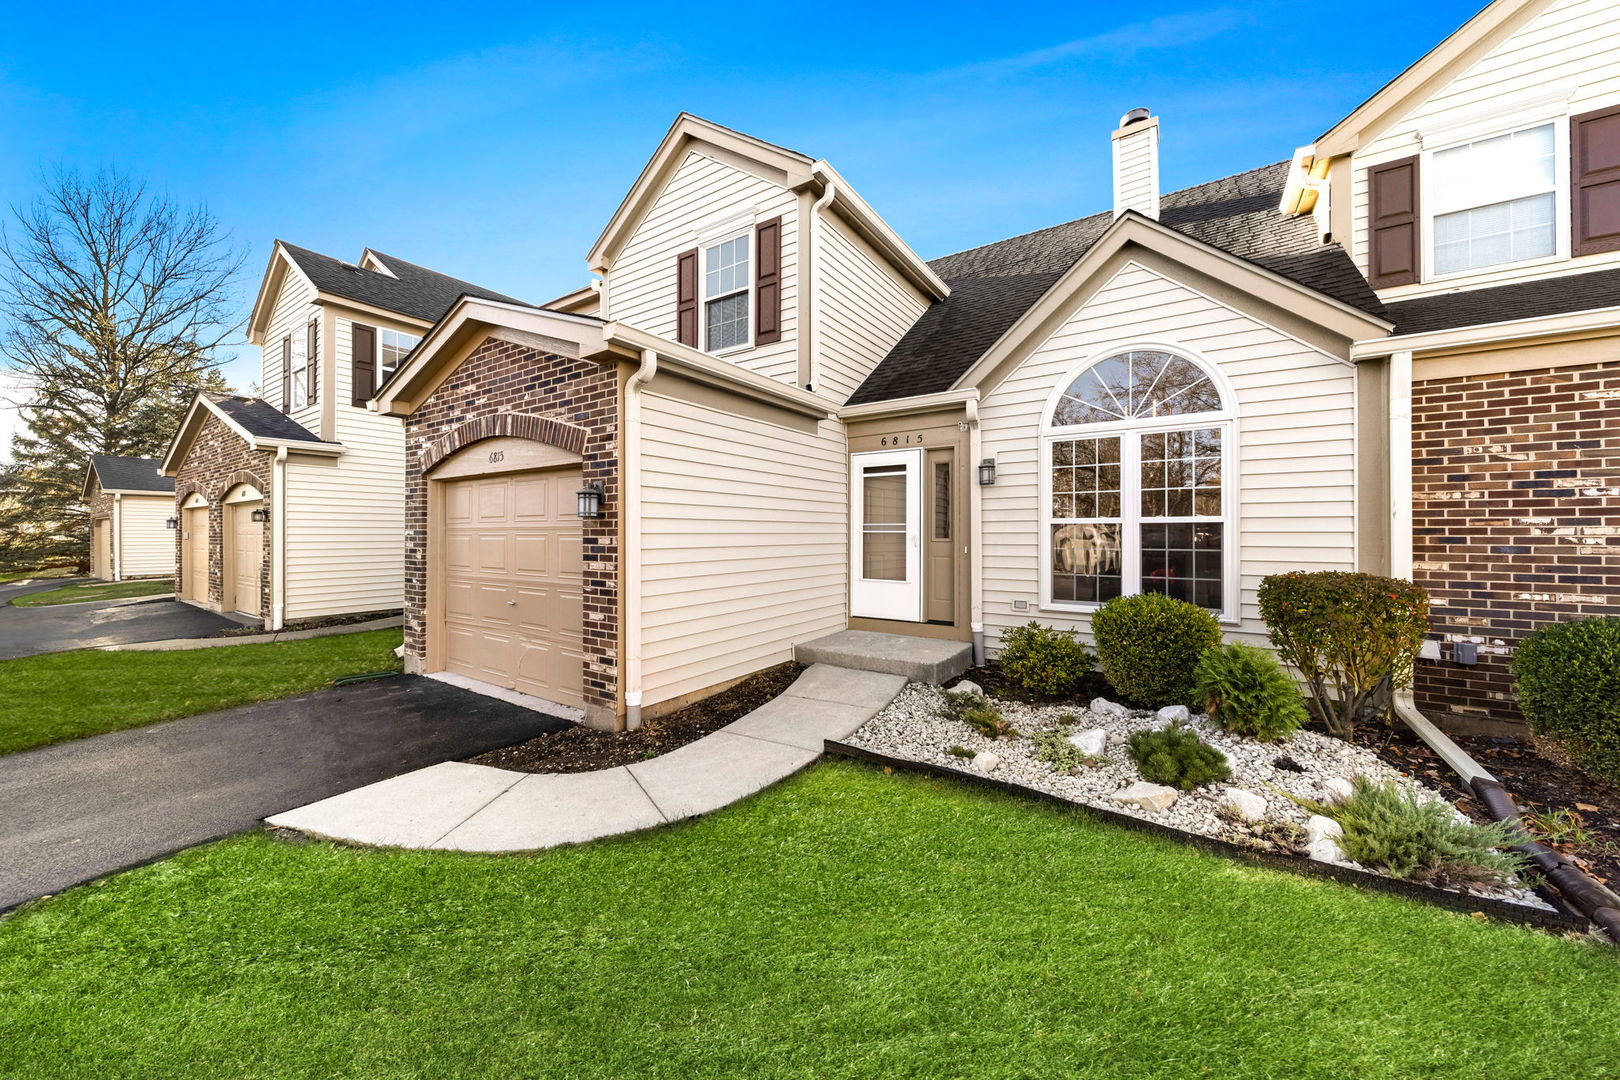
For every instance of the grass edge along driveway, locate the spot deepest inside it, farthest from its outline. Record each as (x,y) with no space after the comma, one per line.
(845,923)
(69,695)
(85,594)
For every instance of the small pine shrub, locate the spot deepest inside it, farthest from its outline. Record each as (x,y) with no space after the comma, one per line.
(978,713)
(1568,681)
(1424,840)
(1177,757)
(1054,748)
(1248,693)
(1044,660)
(1149,645)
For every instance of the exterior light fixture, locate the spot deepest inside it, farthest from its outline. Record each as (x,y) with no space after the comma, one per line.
(171,523)
(261,514)
(590,500)
(987,472)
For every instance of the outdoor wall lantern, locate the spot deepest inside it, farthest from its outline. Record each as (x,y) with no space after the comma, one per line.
(987,472)
(590,500)
(171,523)
(261,514)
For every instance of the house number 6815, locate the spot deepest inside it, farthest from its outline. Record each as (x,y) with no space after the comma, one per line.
(496,456)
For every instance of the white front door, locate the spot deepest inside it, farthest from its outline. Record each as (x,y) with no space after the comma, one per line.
(886,540)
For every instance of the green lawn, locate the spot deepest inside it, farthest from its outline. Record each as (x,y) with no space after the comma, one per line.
(11,576)
(846,923)
(83,594)
(46,699)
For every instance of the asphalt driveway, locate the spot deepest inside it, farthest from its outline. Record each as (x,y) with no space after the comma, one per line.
(29,631)
(79,810)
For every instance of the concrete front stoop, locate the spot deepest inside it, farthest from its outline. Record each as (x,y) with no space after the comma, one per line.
(461,807)
(920,659)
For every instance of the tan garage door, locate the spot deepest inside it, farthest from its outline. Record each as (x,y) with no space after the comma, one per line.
(196,554)
(247,557)
(512,582)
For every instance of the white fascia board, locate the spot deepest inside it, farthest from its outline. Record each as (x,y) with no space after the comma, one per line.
(1487,333)
(907,405)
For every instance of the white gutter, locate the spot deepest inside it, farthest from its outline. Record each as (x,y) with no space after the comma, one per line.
(909,405)
(278,541)
(1574,322)
(975,532)
(630,535)
(118,538)
(828,193)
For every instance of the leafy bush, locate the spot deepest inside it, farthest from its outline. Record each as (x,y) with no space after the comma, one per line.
(1054,749)
(1044,660)
(1352,636)
(1421,839)
(1248,692)
(1568,679)
(1177,757)
(978,713)
(1149,645)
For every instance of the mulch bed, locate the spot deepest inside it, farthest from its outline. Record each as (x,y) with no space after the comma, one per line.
(1538,783)
(308,624)
(583,749)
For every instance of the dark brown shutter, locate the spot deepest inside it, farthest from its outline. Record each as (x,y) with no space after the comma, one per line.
(312,374)
(1594,160)
(364,366)
(286,373)
(768,281)
(686,297)
(1393,228)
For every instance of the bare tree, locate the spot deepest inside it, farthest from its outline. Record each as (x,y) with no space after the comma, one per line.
(115,304)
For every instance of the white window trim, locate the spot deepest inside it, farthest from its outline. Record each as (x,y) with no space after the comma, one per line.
(1130,432)
(383,373)
(746,234)
(1561,207)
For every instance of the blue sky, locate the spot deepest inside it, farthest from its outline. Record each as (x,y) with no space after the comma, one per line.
(492,141)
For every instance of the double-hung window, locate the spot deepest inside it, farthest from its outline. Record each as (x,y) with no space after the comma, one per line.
(727,294)
(1135,457)
(1494,201)
(392,348)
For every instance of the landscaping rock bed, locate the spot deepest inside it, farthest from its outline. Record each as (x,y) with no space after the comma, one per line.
(1251,809)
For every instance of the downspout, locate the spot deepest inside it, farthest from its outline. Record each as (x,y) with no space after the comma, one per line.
(975,532)
(630,531)
(118,538)
(828,193)
(278,541)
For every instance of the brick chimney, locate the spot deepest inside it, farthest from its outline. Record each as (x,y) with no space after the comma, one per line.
(1136,164)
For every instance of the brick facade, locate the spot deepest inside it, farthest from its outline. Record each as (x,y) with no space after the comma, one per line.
(1516,519)
(505,389)
(218,461)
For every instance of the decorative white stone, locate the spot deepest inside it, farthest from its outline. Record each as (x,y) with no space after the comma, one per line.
(1336,789)
(1174,714)
(1103,707)
(1318,828)
(967,686)
(1245,803)
(1148,796)
(986,761)
(1326,849)
(1090,742)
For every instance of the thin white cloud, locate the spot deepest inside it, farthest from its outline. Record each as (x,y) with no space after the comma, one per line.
(1121,43)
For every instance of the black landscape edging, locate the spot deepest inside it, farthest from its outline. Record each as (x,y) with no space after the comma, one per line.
(1497,909)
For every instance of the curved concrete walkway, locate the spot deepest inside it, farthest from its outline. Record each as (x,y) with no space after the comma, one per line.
(461,807)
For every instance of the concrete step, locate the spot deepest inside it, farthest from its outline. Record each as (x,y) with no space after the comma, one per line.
(920,659)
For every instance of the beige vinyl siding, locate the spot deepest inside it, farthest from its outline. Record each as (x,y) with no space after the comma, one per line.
(744,543)
(867,309)
(703,193)
(346,515)
(1295,441)
(147,543)
(295,307)
(1573,46)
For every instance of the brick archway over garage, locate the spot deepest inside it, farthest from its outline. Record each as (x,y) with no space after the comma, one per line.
(541,429)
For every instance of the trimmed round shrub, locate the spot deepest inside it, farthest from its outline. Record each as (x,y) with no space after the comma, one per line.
(1248,693)
(1352,636)
(1044,660)
(1568,680)
(1149,646)
(1178,758)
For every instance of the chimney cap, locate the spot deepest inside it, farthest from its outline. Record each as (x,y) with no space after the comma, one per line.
(1135,116)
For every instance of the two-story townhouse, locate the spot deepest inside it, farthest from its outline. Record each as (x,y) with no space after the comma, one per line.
(290,504)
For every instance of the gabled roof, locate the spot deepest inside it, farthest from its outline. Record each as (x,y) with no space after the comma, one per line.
(257,422)
(1505,303)
(992,287)
(410,289)
(261,419)
(128,474)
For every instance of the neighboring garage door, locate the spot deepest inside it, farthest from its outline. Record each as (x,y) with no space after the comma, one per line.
(196,554)
(512,582)
(247,557)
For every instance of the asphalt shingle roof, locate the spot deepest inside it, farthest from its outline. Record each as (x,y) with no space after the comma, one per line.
(992,286)
(1503,303)
(415,290)
(261,419)
(130,473)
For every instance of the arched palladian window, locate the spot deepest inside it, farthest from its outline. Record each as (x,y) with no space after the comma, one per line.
(1136,452)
